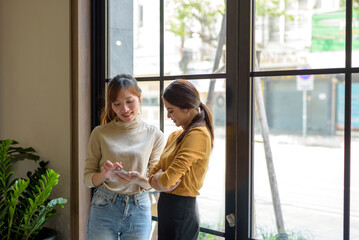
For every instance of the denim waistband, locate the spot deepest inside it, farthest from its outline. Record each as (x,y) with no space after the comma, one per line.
(110,195)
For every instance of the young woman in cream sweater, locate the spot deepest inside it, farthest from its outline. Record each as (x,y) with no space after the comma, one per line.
(121,205)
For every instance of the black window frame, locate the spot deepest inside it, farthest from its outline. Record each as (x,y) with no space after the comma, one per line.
(239,101)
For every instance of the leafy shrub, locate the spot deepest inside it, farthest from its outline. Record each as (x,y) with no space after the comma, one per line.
(24,203)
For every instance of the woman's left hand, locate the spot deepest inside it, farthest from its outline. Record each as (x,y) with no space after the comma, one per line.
(131,177)
(155,183)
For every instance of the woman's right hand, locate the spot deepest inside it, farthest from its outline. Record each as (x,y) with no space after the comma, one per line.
(107,168)
(106,172)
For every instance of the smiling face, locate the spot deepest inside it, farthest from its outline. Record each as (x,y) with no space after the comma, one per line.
(179,116)
(126,105)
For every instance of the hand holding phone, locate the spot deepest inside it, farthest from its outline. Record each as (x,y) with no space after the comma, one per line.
(120,171)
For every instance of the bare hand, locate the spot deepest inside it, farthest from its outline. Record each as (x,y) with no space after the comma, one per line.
(107,168)
(131,177)
(155,183)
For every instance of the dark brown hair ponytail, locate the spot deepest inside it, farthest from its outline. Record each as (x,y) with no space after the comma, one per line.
(183,94)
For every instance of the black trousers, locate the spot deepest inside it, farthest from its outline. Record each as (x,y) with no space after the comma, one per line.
(178,217)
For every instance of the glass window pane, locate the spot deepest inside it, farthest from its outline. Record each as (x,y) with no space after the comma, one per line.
(354,189)
(133,37)
(211,200)
(299,34)
(355,35)
(194,42)
(150,105)
(298,156)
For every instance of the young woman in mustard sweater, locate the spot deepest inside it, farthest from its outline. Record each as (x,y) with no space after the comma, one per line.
(121,205)
(183,162)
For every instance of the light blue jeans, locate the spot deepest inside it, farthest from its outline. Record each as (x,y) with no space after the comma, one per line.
(115,216)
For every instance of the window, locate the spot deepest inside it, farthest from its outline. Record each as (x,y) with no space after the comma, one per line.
(281,80)
(302,131)
(160,41)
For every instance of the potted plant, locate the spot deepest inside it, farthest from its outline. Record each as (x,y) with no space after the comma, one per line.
(25,204)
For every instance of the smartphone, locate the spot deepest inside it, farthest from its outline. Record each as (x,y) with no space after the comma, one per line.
(120,171)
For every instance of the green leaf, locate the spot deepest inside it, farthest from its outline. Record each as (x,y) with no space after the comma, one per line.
(13,201)
(24,204)
(11,211)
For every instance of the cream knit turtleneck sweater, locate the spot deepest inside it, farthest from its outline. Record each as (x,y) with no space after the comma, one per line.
(136,144)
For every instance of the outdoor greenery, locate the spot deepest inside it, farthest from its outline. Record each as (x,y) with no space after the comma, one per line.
(355,3)
(265,234)
(207,236)
(272,8)
(196,18)
(24,203)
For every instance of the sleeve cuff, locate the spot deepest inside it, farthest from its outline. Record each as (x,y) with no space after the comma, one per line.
(88,180)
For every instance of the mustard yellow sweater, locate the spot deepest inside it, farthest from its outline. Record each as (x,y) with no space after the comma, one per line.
(187,161)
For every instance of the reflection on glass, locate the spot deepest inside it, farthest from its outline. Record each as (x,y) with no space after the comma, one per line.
(298,157)
(133,37)
(211,199)
(299,34)
(194,42)
(354,187)
(150,102)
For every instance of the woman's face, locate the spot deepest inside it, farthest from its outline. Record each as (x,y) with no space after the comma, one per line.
(126,105)
(178,115)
